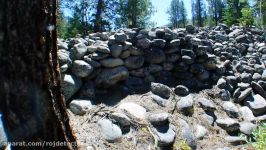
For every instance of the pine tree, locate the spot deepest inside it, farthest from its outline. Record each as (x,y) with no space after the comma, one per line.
(133,13)
(177,13)
(173,12)
(260,10)
(183,14)
(198,12)
(232,11)
(215,11)
(193,13)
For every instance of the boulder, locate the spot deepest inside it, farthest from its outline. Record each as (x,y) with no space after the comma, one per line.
(111,76)
(161,90)
(112,62)
(81,69)
(134,62)
(70,85)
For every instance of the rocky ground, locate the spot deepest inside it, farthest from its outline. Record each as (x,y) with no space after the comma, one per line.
(165,89)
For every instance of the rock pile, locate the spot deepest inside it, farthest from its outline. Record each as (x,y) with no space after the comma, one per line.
(231,58)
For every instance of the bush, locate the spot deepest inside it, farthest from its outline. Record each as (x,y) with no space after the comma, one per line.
(259,137)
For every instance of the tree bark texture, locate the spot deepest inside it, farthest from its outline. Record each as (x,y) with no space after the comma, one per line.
(31,101)
(98,18)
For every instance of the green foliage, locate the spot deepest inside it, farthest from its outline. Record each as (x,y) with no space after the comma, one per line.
(133,13)
(215,11)
(198,11)
(182,145)
(247,18)
(233,11)
(260,137)
(177,13)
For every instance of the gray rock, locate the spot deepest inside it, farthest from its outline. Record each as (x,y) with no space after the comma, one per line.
(111,76)
(236,94)
(196,68)
(247,114)
(143,43)
(187,59)
(195,41)
(165,135)
(3,136)
(168,66)
(207,104)
(121,118)
(256,76)
(79,50)
(153,68)
(87,91)
(221,84)
(246,77)
(155,55)
(225,95)
(70,85)
(188,52)
(175,43)
(261,118)
(247,127)
(64,57)
(120,37)
(98,56)
(243,86)
(263,76)
(125,54)
(190,29)
(187,134)
(62,45)
(204,76)
(257,104)
(93,63)
(63,68)
(185,105)
(228,124)
(236,140)
(136,51)
(258,89)
(158,43)
(133,110)
(80,107)
(158,119)
(126,45)
(92,48)
(134,62)
(241,39)
(103,48)
(244,94)
(201,132)
(201,50)
(81,69)
(181,90)
(231,109)
(112,62)
(109,131)
(161,90)
(208,118)
(116,49)
(160,101)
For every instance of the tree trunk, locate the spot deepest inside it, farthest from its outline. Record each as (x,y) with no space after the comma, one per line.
(199,14)
(98,19)
(32,104)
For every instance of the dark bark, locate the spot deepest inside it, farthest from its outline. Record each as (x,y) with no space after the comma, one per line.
(98,18)
(31,101)
(199,13)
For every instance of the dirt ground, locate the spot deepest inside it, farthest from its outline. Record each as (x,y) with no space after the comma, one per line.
(139,138)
